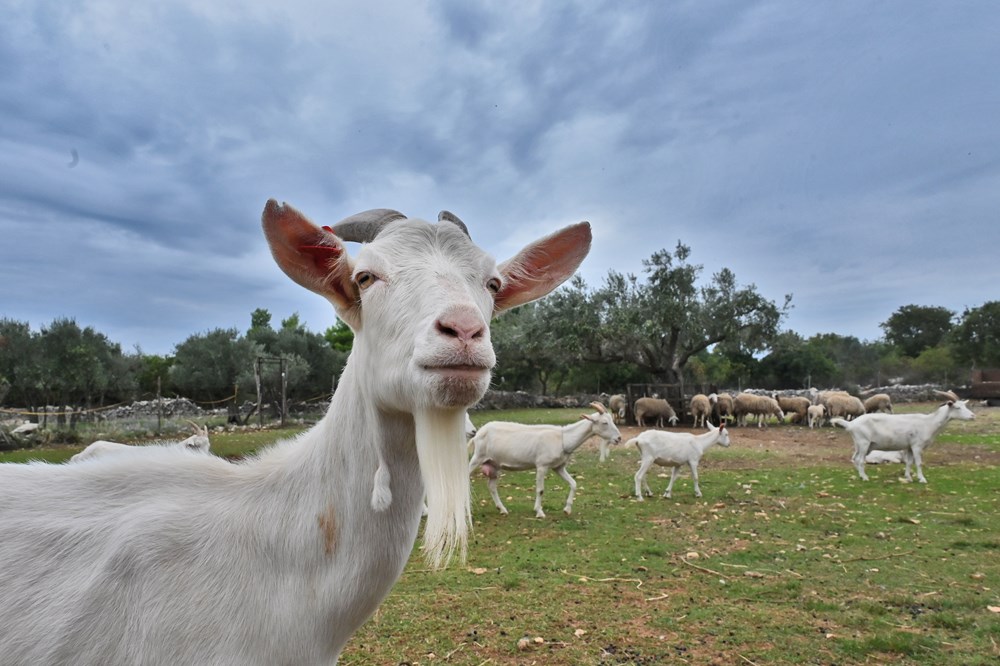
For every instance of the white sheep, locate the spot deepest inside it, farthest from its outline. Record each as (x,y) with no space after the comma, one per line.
(196,443)
(910,433)
(617,405)
(657,409)
(880,402)
(722,406)
(701,409)
(500,445)
(761,406)
(170,558)
(816,414)
(673,449)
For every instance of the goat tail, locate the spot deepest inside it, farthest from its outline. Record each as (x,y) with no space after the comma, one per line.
(634,440)
(843,423)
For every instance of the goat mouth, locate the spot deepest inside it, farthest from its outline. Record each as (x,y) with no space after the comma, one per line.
(458,370)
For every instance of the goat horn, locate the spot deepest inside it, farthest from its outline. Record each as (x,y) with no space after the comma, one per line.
(364,227)
(451,217)
(948,394)
(599,407)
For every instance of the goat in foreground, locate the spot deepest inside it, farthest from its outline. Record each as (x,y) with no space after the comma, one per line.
(673,449)
(165,559)
(517,447)
(196,443)
(909,433)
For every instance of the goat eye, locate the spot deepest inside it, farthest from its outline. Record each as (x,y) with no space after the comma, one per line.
(364,279)
(494,285)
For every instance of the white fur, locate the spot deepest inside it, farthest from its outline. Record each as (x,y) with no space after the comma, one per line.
(196,443)
(909,433)
(673,449)
(516,446)
(167,558)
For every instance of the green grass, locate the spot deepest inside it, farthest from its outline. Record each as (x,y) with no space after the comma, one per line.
(777,564)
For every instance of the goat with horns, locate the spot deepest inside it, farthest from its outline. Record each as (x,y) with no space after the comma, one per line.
(169,558)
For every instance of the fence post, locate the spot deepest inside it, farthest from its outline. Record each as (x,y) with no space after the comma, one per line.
(159,408)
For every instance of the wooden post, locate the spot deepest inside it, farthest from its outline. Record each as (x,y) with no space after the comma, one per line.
(260,405)
(284,387)
(159,408)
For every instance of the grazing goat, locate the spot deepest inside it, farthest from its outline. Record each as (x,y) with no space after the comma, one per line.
(722,406)
(657,409)
(761,406)
(673,449)
(910,433)
(617,404)
(196,443)
(701,409)
(169,558)
(517,447)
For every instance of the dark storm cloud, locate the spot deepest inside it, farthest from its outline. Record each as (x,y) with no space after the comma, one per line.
(845,153)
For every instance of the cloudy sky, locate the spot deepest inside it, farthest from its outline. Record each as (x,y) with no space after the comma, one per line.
(847,153)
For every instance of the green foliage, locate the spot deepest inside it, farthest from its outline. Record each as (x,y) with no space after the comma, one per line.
(340,337)
(207,366)
(661,324)
(976,339)
(63,364)
(914,328)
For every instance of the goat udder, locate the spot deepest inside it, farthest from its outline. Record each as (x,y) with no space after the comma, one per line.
(490,469)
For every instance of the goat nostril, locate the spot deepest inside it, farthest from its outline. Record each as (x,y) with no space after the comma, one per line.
(446,330)
(463,328)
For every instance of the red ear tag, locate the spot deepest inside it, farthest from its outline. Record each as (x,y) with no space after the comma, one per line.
(326,228)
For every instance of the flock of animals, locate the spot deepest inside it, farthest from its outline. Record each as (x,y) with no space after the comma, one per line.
(161,557)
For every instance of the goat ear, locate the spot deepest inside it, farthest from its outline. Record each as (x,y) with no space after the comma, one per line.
(542,266)
(313,257)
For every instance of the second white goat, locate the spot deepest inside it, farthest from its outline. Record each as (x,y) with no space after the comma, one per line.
(673,449)
(517,447)
(910,433)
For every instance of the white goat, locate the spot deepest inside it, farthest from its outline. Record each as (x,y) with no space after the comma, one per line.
(673,449)
(517,447)
(196,443)
(169,558)
(910,433)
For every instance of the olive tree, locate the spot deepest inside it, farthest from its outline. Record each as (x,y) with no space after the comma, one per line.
(664,322)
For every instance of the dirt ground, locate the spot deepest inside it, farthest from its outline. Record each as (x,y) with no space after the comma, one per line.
(799,445)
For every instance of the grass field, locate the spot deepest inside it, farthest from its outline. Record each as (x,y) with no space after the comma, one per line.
(787,559)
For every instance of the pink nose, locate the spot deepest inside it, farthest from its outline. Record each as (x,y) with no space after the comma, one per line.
(465,325)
